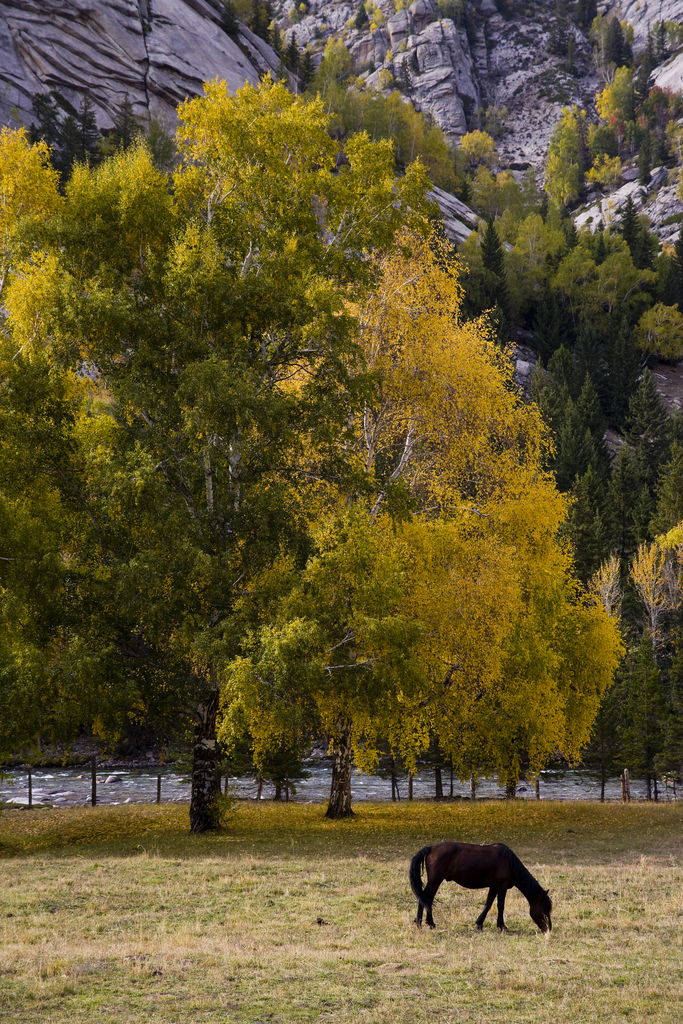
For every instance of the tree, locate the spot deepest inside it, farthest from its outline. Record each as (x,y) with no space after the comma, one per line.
(669,509)
(28,193)
(564,173)
(307,72)
(647,430)
(361,18)
(479,148)
(660,331)
(235,383)
(126,126)
(493,260)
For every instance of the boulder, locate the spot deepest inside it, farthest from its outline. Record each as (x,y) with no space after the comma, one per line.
(156,54)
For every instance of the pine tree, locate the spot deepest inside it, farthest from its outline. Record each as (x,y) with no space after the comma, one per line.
(645,713)
(361,18)
(498,293)
(620,502)
(616,49)
(48,126)
(645,159)
(586,12)
(126,126)
(293,56)
(669,492)
(575,451)
(589,359)
(677,260)
(669,291)
(584,526)
(588,408)
(623,367)
(547,333)
(307,73)
(88,134)
(647,430)
(629,226)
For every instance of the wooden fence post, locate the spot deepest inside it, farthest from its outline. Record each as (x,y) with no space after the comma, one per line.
(537,788)
(627,786)
(30,786)
(93,772)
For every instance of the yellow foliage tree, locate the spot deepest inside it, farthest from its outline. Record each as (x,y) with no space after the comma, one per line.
(28,190)
(660,331)
(479,148)
(447,606)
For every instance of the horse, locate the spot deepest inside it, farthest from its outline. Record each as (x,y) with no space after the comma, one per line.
(476,867)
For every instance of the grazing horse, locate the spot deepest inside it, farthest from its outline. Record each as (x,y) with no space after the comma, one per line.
(476,867)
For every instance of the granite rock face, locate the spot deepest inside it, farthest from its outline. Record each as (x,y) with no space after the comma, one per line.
(155,52)
(450,72)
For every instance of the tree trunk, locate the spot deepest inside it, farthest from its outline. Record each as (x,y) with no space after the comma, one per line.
(278,790)
(340,793)
(649,786)
(473,788)
(654,779)
(438,784)
(260,788)
(410,786)
(204,770)
(451,792)
(510,790)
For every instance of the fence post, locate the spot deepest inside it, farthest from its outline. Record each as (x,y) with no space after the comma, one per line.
(30,786)
(537,788)
(627,786)
(93,772)
(158,789)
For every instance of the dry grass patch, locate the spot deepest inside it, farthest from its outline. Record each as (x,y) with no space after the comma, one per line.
(130,919)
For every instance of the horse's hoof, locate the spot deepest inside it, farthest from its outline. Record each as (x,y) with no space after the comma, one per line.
(480,927)
(418,923)
(431,925)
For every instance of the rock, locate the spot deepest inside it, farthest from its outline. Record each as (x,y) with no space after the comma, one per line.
(156,54)
(630,174)
(111,779)
(670,74)
(642,15)
(458,220)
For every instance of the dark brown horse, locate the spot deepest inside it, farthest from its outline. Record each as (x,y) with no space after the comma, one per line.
(477,867)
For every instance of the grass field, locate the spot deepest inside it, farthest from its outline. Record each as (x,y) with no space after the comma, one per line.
(117,915)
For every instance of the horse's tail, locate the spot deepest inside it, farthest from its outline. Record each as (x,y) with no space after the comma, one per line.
(415,875)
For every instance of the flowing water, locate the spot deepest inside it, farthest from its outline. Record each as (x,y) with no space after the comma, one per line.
(71,787)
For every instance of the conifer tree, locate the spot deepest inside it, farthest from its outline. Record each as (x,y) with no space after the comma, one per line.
(547,326)
(647,430)
(645,159)
(498,293)
(677,261)
(307,73)
(623,365)
(293,56)
(126,126)
(629,226)
(588,408)
(586,11)
(622,495)
(589,360)
(646,712)
(584,526)
(669,492)
(361,18)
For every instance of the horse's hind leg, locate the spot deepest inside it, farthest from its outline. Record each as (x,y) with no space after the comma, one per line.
(418,919)
(501,907)
(489,903)
(430,892)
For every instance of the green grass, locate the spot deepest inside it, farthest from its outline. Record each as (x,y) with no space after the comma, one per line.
(119,915)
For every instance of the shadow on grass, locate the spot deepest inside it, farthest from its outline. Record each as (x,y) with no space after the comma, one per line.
(589,832)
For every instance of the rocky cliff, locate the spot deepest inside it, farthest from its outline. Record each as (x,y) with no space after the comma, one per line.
(155,52)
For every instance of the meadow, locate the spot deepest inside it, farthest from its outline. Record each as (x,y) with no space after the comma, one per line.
(116,915)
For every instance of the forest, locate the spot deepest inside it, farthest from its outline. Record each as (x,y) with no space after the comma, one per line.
(265,473)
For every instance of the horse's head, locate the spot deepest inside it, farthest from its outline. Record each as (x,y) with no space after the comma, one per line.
(540,909)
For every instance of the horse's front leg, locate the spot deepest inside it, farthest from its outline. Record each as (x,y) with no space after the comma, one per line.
(489,903)
(501,907)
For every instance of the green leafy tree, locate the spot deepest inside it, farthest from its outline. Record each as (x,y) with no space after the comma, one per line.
(233,386)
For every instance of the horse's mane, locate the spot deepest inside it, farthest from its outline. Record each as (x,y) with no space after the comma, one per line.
(524,880)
